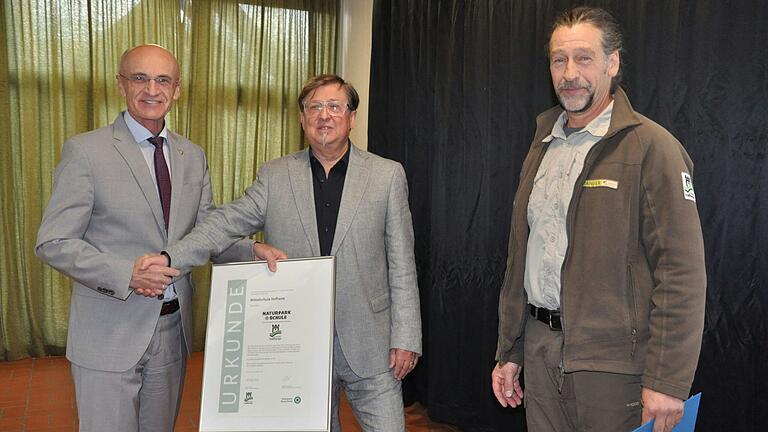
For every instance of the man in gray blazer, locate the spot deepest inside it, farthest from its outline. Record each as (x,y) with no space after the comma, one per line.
(334,199)
(118,195)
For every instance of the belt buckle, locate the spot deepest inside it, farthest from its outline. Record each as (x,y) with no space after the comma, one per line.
(551,326)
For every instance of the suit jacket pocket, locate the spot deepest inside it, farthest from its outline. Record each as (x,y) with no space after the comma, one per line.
(380,302)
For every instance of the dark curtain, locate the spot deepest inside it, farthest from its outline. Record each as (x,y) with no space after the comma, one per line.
(455,88)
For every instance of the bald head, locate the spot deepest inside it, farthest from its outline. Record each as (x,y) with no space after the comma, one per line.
(149,82)
(152,50)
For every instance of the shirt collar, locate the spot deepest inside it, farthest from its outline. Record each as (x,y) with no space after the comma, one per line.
(344,158)
(598,127)
(139,132)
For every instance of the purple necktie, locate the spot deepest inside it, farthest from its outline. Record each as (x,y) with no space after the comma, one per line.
(163,178)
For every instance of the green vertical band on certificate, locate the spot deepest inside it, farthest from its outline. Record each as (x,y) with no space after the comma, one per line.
(269,346)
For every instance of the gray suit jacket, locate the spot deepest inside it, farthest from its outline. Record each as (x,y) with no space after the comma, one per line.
(377,300)
(104,212)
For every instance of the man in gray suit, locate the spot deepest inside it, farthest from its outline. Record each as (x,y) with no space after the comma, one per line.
(335,199)
(121,191)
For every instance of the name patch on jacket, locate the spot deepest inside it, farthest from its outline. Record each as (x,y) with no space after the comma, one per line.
(688,187)
(595,183)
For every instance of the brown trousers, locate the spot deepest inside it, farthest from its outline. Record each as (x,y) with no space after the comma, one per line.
(583,401)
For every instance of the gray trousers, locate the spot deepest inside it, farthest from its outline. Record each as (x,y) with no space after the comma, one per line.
(589,401)
(376,401)
(145,398)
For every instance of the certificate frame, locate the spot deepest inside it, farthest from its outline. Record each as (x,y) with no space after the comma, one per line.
(269,347)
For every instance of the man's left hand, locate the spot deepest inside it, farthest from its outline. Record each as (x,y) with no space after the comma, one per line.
(667,410)
(403,362)
(264,251)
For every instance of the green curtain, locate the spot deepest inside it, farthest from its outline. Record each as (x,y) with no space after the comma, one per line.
(243,64)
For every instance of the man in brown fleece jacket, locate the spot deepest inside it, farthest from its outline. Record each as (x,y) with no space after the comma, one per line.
(603,298)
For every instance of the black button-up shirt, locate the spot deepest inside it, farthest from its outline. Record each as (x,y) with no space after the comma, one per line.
(327,198)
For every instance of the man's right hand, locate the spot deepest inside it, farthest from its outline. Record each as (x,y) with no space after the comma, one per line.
(151,275)
(665,409)
(506,384)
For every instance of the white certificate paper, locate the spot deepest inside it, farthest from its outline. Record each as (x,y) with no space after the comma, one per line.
(269,347)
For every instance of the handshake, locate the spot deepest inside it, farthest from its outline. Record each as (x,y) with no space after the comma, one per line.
(152,273)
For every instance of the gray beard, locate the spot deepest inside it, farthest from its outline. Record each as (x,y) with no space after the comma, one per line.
(586,106)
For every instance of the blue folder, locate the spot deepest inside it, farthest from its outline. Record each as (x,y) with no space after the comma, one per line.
(687,423)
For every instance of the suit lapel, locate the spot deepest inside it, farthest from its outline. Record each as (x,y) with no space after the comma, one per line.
(129,150)
(176,154)
(301,185)
(355,183)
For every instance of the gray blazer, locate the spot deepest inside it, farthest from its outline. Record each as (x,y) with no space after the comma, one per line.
(104,212)
(377,299)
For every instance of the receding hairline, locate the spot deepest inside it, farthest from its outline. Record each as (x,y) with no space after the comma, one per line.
(128,52)
(571,26)
(611,35)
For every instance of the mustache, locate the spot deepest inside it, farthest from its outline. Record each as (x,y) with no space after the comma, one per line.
(570,85)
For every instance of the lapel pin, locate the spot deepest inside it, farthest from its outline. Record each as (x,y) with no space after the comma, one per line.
(181,151)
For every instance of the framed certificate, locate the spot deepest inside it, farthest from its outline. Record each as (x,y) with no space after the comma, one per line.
(269,347)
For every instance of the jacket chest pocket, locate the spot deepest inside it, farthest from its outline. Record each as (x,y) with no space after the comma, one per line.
(609,192)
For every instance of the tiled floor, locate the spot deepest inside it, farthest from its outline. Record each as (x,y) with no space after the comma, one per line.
(38,395)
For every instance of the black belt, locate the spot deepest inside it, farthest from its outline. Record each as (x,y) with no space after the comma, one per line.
(548,317)
(169,307)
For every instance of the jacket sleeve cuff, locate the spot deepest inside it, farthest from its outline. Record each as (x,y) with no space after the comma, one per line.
(511,356)
(671,389)
(167,256)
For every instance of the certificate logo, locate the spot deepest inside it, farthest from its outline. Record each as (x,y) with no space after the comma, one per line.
(291,400)
(276,332)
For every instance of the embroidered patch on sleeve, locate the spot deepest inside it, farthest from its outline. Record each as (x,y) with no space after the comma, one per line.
(688,187)
(613,184)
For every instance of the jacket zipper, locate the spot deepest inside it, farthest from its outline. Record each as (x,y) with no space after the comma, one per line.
(633,309)
(577,189)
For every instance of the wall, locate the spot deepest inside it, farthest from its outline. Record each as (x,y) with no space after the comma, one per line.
(355,67)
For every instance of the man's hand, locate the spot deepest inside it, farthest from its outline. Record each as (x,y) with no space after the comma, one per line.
(506,384)
(264,251)
(667,410)
(403,361)
(151,275)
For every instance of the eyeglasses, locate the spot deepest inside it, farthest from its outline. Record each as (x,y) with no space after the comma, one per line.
(141,80)
(335,108)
